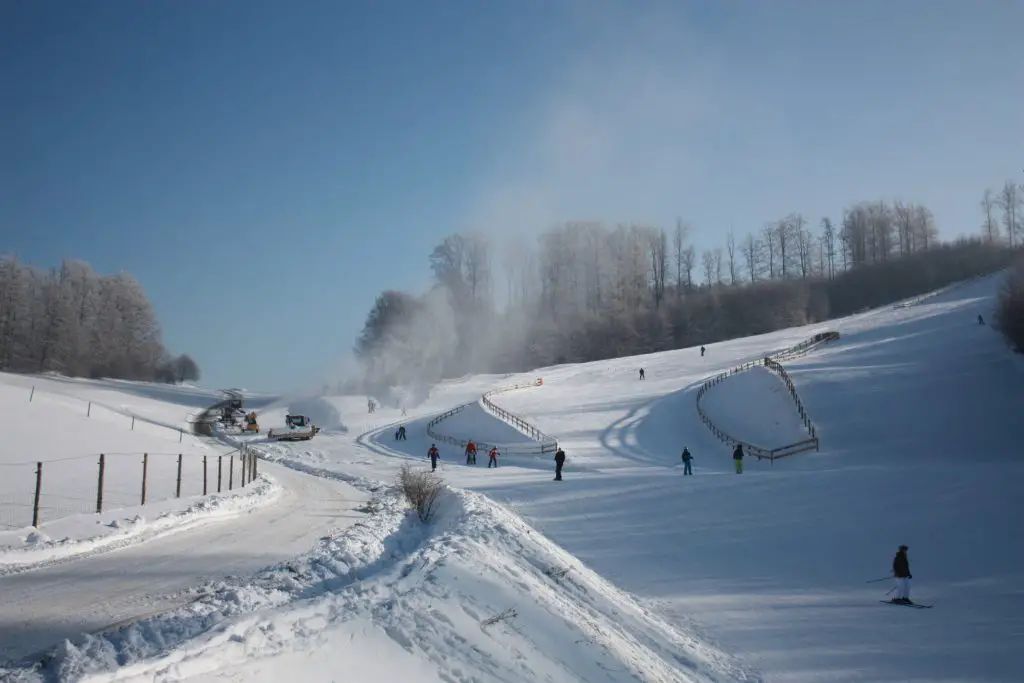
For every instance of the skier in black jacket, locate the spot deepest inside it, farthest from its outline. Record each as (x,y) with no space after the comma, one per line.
(901,571)
(559,461)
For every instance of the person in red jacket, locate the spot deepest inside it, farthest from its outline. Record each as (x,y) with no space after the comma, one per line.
(492,457)
(471,453)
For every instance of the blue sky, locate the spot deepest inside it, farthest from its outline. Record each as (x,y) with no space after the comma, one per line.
(266,168)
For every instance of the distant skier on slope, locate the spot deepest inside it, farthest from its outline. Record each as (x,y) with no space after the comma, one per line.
(737,457)
(433,454)
(641,373)
(702,350)
(687,458)
(559,461)
(901,572)
(471,453)
(492,457)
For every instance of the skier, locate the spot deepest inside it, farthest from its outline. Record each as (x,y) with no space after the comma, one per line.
(471,453)
(433,454)
(641,373)
(492,457)
(559,461)
(901,572)
(401,433)
(687,458)
(981,321)
(737,456)
(702,350)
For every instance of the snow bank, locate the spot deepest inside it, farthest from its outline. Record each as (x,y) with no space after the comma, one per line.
(475,595)
(80,535)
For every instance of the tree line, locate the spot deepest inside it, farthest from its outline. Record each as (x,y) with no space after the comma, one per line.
(587,291)
(71,321)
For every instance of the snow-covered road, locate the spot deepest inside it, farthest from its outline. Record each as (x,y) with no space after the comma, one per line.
(40,608)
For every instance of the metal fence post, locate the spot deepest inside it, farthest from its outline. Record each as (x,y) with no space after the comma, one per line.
(244,457)
(231,471)
(39,488)
(177,490)
(32,394)
(145,466)
(133,423)
(88,410)
(99,485)
(204,475)
(220,471)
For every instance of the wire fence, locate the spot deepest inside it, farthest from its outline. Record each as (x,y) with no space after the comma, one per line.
(132,421)
(770,361)
(32,493)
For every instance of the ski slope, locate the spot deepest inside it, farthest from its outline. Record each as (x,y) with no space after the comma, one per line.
(628,571)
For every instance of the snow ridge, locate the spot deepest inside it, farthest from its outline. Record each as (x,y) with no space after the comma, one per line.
(477,590)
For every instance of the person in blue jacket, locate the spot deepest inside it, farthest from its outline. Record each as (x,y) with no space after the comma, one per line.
(687,459)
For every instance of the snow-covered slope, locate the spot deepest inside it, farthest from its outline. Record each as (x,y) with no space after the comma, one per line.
(67,433)
(917,409)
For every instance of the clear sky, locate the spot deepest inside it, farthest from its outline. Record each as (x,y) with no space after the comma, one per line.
(266,168)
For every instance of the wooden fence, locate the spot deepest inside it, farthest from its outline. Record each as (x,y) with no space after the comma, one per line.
(542,442)
(771,362)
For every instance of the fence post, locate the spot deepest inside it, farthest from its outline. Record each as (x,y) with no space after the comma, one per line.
(145,466)
(255,467)
(181,434)
(39,489)
(32,393)
(88,410)
(177,491)
(204,475)
(133,423)
(220,471)
(99,485)
(244,457)
(231,471)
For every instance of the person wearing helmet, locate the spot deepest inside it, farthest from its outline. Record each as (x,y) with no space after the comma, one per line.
(433,454)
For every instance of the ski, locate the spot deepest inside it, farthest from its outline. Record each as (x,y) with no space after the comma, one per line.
(903,604)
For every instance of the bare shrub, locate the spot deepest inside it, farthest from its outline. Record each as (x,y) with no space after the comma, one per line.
(421,490)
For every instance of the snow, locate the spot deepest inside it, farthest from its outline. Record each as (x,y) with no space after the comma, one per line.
(474,422)
(78,535)
(626,570)
(775,422)
(97,592)
(68,435)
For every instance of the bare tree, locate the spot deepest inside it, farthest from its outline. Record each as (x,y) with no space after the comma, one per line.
(783,231)
(753,252)
(770,237)
(689,263)
(828,235)
(682,231)
(708,259)
(730,247)
(990,228)
(657,242)
(1011,200)
(718,265)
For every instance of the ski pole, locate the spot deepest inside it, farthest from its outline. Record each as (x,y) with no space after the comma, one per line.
(884,578)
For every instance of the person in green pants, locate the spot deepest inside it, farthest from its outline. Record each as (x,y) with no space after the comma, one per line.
(737,457)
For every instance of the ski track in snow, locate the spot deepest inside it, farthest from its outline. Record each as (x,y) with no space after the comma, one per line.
(760,576)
